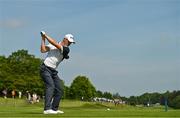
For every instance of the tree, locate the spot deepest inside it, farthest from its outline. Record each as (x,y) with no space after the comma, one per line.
(175,103)
(23,63)
(132,100)
(107,95)
(99,94)
(116,96)
(20,71)
(3,71)
(173,99)
(81,87)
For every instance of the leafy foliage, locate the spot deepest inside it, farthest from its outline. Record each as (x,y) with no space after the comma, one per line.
(81,87)
(173,99)
(20,71)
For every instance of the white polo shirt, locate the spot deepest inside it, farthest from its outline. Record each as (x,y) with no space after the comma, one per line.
(54,56)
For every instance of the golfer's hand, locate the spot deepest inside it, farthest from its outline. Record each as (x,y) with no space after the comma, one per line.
(42,33)
(43,37)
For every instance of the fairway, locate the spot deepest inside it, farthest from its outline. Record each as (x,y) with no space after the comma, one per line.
(10,108)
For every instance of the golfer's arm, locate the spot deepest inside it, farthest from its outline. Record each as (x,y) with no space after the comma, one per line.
(53,42)
(44,48)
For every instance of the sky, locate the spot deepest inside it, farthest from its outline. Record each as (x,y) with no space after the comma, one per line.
(125,46)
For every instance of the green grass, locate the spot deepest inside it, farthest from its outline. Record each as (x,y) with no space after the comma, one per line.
(17,108)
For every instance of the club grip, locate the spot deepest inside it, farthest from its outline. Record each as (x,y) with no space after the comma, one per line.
(42,33)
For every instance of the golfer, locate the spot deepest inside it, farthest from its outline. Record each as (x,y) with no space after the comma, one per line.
(57,52)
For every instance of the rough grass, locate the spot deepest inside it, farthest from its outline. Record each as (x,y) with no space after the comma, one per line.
(10,108)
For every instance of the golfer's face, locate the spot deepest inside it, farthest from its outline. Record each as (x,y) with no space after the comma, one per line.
(67,42)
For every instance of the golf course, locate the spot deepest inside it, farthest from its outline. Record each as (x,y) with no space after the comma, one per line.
(19,108)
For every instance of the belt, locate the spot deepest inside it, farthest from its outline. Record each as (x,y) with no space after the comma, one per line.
(52,69)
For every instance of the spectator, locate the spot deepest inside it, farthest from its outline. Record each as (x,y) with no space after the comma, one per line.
(13,93)
(20,94)
(34,98)
(5,93)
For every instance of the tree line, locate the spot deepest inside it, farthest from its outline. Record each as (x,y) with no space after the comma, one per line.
(20,71)
(172,98)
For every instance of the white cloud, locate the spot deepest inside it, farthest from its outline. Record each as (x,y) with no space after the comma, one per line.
(13,23)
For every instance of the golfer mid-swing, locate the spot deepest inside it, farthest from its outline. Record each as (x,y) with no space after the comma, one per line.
(57,52)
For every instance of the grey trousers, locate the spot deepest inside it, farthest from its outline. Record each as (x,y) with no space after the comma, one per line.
(54,87)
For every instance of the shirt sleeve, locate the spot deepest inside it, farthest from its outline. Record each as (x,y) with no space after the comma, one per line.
(51,47)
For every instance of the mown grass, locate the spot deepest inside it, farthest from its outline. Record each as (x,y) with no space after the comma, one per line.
(10,108)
